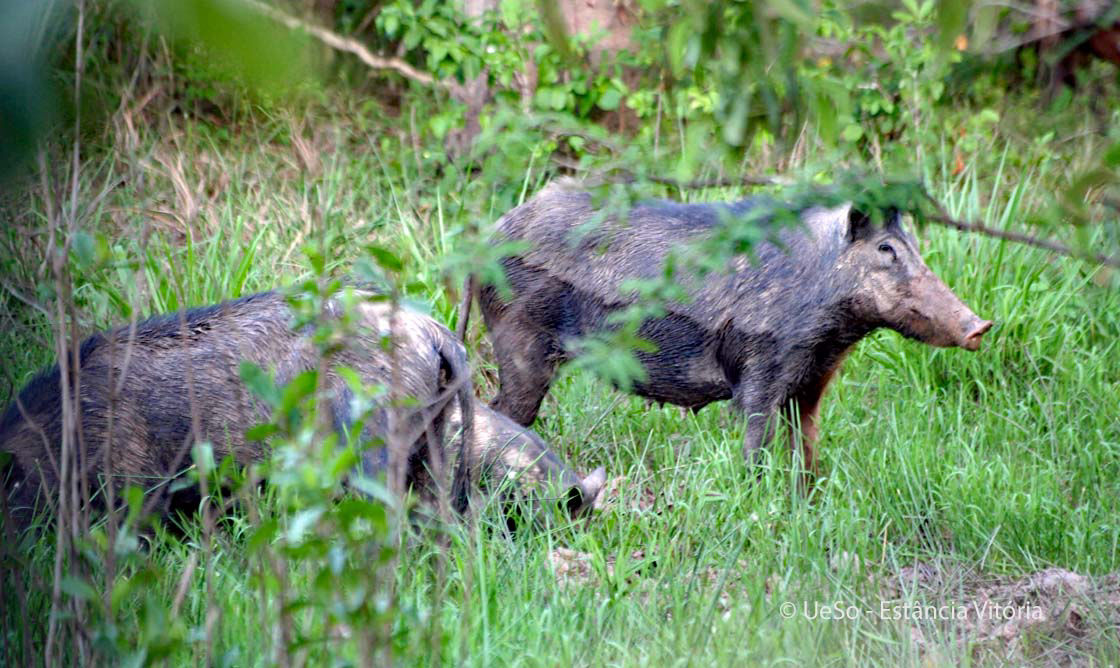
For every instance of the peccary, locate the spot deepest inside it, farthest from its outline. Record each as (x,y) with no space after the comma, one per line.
(504,455)
(175,380)
(768,332)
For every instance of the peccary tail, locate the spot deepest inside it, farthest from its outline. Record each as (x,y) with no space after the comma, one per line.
(465,308)
(455,355)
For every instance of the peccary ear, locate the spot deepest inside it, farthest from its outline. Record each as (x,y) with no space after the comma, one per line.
(894,217)
(859,224)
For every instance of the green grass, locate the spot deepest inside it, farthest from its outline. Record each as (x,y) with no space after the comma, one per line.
(999,463)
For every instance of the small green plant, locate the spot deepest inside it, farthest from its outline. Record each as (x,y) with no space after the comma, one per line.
(894,70)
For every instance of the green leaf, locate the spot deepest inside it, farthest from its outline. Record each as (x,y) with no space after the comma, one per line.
(735,123)
(985,24)
(375,489)
(300,387)
(852,133)
(609,100)
(385,258)
(259,383)
(437,52)
(391,24)
(791,11)
(350,377)
(952,15)
(352,508)
(989,116)
(134,498)
(260,432)
(302,522)
(316,258)
(84,247)
(203,455)
(185,481)
(557,98)
(679,35)
(77,588)
(1112,155)
(262,536)
(126,543)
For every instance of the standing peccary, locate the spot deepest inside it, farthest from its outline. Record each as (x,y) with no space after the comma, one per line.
(174,381)
(505,454)
(767,332)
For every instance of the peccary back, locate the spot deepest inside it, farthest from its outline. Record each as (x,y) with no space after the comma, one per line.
(148,395)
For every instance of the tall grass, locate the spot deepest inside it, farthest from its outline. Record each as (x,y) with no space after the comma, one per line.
(1003,462)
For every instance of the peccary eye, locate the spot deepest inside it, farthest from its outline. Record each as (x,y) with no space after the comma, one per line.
(886,248)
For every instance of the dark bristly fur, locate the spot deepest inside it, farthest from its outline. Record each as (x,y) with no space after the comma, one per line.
(767,333)
(152,420)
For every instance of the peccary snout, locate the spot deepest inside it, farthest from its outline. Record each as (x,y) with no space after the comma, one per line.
(972,339)
(503,454)
(939,318)
(580,503)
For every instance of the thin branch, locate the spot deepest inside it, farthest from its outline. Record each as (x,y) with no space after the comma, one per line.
(1023,8)
(700,184)
(624,176)
(351,46)
(184,584)
(943,218)
(27,301)
(1025,239)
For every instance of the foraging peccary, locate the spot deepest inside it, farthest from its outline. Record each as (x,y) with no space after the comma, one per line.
(174,380)
(504,455)
(768,332)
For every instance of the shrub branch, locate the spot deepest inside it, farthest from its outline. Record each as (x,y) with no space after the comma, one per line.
(942,217)
(351,46)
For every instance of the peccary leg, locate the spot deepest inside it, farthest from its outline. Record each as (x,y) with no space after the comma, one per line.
(809,410)
(762,420)
(526,366)
(808,413)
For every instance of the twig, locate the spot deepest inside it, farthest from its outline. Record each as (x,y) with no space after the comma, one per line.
(26,300)
(1023,8)
(700,184)
(351,46)
(943,218)
(625,176)
(184,584)
(67,520)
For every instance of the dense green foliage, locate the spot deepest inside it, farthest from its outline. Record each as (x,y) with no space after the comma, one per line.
(192,188)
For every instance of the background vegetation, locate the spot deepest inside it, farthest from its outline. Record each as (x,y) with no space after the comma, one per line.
(157,159)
